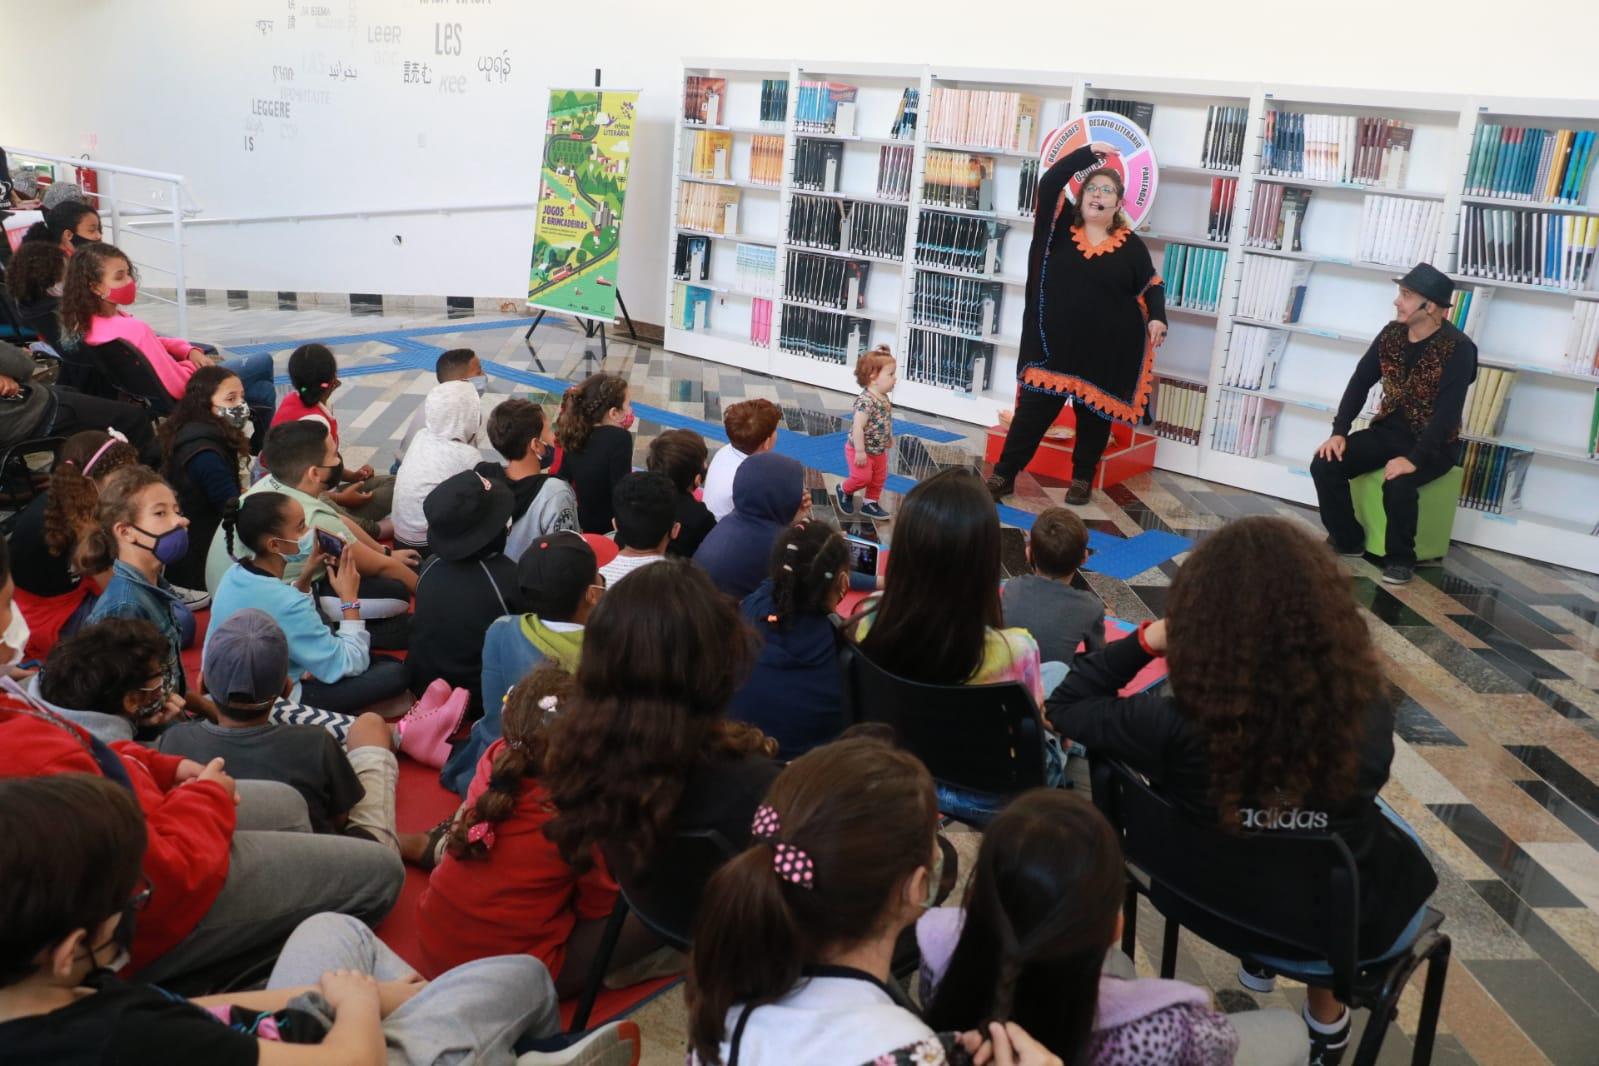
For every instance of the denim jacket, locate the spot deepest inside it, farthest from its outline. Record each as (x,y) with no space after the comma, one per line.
(129,595)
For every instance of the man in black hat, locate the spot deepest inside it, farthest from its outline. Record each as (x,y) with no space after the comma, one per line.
(1425,365)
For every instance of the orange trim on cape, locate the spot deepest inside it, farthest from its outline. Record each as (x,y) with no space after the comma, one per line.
(1104,247)
(1108,404)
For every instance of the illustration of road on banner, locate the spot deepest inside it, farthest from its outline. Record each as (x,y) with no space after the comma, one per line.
(582,184)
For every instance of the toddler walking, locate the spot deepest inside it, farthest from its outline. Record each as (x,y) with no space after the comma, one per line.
(872,433)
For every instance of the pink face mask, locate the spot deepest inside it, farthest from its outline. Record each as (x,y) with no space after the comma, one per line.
(123,294)
(628,420)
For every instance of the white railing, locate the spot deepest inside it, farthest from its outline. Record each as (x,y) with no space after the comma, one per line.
(134,201)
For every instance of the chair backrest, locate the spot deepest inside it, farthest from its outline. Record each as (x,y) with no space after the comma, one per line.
(132,376)
(666,896)
(1284,893)
(984,738)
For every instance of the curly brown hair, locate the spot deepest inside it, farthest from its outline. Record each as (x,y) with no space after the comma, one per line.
(523,726)
(34,269)
(72,498)
(1119,222)
(195,406)
(663,653)
(1270,658)
(79,303)
(585,407)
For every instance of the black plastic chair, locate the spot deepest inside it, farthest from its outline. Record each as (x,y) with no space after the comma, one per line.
(666,899)
(134,380)
(1280,895)
(978,738)
(21,482)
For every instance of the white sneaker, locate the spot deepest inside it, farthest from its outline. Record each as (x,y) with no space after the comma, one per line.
(617,1044)
(1256,978)
(193,599)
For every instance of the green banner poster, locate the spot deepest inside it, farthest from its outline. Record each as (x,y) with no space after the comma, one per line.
(582,183)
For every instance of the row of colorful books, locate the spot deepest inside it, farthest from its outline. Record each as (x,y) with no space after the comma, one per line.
(1223,196)
(1253,356)
(895,165)
(1362,150)
(1193,275)
(963,305)
(1272,289)
(1277,219)
(1495,476)
(957,363)
(1399,230)
(691,307)
(755,268)
(823,335)
(984,118)
(774,101)
(959,242)
(1548,248)
(1529,163)
(1226,132)
(1582,339)
(709,208)
(825,107)
(1178,409)
(711,155)
(761,323)
(866,228)
(702,100)
(958,179)
(818,165)
(1244,424)
(766,159)
(1484,412)
(826,280)
(1470,309)
(692,259)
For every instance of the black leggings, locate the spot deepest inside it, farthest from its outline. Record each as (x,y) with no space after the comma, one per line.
(1035,413)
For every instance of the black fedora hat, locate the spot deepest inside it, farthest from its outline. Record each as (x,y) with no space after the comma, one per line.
(465,512)
(1430,283)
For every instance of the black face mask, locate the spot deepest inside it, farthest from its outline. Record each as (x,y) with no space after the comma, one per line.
(121,941)
(79,242)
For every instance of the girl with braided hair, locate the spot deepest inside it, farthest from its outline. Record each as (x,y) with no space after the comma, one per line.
(593,430)
(795,692)
(1043,909)
(501,887)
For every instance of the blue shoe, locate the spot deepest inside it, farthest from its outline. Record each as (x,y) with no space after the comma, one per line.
(873,510)
(846,500)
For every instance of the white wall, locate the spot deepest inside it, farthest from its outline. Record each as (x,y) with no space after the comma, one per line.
(169,84)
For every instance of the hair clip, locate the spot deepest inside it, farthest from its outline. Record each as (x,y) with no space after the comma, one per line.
(771,619)
(481,833)
(792,864)
(547,704)
(794,547)
(790,569)
(766,823)
(828,576)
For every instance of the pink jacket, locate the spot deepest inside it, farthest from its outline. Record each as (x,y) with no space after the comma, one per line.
(167,356)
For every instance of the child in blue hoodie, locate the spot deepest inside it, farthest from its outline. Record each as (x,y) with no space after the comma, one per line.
(768,496)
(795,692)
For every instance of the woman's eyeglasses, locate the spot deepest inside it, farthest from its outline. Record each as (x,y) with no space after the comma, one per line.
(1105,190)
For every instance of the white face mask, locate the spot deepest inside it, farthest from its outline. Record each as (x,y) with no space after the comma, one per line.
(15,639)
(480,382)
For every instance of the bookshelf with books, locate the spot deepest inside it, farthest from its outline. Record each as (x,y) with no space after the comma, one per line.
(933,230)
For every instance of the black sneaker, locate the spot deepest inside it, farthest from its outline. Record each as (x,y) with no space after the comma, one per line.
(1079,493)
(1000,487)
(1327,1049)
(1348,553)
(1256,978)
(1397,574)
(846,500)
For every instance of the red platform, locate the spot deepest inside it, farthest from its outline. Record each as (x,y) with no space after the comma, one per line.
(1129,451)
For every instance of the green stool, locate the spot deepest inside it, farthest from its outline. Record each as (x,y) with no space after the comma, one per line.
(1435,512)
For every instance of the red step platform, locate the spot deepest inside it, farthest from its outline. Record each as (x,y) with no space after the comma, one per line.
(1130,451)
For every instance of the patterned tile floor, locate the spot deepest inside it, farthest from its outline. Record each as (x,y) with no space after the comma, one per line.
(1496,660)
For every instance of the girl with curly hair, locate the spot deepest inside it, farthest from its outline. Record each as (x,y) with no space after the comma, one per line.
(205,448)
(1278,718)
(795,692)
(54,596)
(598,449)
(646,749)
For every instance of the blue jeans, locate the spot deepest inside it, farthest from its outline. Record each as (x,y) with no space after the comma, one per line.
(978,808)
(255,371)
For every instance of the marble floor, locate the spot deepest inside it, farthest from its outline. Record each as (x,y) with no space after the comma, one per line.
(1496,660)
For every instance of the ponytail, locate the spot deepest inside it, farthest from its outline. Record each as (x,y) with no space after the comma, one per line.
(806,561)
(312,368)
(584,407)
(247,519)
(841,831)
(72,498)
(528,705)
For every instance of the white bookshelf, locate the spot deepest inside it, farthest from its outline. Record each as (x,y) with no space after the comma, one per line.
(1347,300)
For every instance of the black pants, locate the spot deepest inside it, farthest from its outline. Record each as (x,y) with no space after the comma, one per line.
(78,411)
(1367,450)
(1035,413)
(383,679)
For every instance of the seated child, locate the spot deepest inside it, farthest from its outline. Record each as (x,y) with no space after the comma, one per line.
(559,584)
(680,455)
(110,678)
(544,503)
(205,448)
(1044,602)
(644,509)
(501,885)
(593,428)
(336,997)
(446,446)
(751,427)
(457,364)
(366,498)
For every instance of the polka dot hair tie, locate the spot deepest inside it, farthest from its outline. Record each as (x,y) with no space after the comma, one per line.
(792,864)
(765,825)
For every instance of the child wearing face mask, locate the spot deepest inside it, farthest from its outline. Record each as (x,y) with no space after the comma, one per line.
(141,533)
(593,428)
(364,497)
(205,449)
(101,282)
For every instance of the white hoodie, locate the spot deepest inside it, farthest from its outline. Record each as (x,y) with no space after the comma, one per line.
(446,446)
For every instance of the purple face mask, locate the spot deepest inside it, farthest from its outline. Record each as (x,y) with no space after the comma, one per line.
(169,547)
